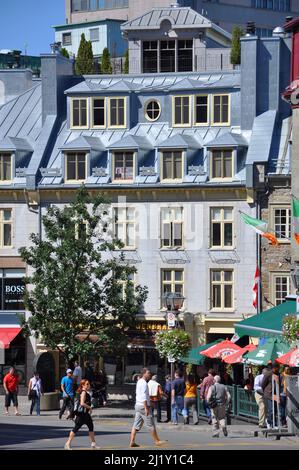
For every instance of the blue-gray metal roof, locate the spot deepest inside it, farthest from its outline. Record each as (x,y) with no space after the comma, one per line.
(229,139)
(84,143)
(14,144)
(261,137)
(132,142)
(180,141)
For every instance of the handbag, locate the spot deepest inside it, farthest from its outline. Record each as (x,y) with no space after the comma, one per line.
(32,394)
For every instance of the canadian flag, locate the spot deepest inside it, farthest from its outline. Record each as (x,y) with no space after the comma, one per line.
(256,287)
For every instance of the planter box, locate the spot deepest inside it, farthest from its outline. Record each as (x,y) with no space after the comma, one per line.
(50,401)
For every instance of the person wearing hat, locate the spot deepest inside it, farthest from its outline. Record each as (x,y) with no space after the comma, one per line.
(67,387)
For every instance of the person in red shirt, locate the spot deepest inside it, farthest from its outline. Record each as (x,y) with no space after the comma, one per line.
(11,387)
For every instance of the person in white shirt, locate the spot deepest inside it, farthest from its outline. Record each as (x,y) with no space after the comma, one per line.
(143,413)
(77,374)
(259,397)
(155,393)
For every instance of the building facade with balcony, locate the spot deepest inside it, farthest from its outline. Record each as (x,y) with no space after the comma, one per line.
(179,153)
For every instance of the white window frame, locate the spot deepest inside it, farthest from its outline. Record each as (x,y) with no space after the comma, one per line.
(286,207)
(125,224)
(174,97)
(72,181)
(222,283)
(72,113)
(6,222)
(117,126)
(6,154)
(172,282)
(222,223)
(92,112)
(273,292)
(221,123)
(68,33)
(172,221)
(145,110)
(123,181)
(123,285)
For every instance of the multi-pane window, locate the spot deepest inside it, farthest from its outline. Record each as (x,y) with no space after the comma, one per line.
(282,223)
(5,167)
(221,227)
(222,283)
(127,287)
(150,56)
(79,113)
(181,111)
(94,34)
(280,287)
(117,112)
(171,227)
(185,55)
(201,109)
(98,112)
(123,166)
(124,224)
(75,166)
(92,5)
(220,109)
(172,281)
(276,5)
(6,228)
(222,164)
(67,39)
(172,165)
(152,110)
(167,56)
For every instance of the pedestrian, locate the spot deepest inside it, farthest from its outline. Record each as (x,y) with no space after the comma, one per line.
(218,398)
(156,394)
(100,388)
(11,388)
(204,389)
(88,373)
(190,399)
(67,387)
(178,388)
(167,394)
(77,373)
(143,413)
(83,412)
(270,396)
(283,394)
(35,390)
(259,397)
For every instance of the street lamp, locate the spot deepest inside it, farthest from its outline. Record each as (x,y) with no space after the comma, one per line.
(173,302)
(295,279)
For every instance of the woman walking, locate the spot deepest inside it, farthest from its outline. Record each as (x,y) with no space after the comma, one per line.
(82,411)
(190,399)
(35,390)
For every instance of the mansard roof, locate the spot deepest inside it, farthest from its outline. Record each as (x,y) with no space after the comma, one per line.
(132,142)
(229,139)
(180,141)
(14,144)
(84,142)
(179,17)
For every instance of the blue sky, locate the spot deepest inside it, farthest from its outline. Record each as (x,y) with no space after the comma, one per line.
(29,21)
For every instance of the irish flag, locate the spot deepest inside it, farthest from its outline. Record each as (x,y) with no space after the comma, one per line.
(295,204)
(261,227)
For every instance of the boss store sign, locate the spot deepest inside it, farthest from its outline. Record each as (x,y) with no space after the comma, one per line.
(12,289)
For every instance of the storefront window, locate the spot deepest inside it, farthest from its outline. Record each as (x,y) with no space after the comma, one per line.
(12,289)
(15,355)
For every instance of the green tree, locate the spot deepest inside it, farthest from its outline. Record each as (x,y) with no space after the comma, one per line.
(85,61)
(77,305)
(235,55)
(64,53)
(126,64)
(106,66)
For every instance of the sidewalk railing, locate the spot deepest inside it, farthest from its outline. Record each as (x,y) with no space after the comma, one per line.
(243,403)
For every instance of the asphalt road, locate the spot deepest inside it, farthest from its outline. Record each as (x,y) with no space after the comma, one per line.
(48,433)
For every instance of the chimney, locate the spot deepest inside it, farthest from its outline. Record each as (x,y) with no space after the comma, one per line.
(14,82)
(57,76)
(250,28)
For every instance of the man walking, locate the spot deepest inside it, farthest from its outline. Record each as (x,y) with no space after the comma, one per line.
(11,387)
(143,413)
(269,395)
(259,396)
(67,387)
(218,397)
(77,373)
(178,388)
(204,389)
(167,394)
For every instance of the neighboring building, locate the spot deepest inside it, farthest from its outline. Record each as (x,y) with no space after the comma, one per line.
(178,153)
(102,33)
(14,59)
(267,14)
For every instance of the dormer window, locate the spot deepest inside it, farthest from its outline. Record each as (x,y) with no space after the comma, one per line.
(221,110)
(172,166)
(79,113)
(181,111)
(222,164)
(98,113)
(123,166)
(5,167)
(75,167)
(117,112)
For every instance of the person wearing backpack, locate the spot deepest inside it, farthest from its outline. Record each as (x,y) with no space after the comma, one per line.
(218,397)
(82,412)
(35,390)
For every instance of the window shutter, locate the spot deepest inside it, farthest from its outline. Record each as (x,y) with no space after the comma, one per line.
(177,234)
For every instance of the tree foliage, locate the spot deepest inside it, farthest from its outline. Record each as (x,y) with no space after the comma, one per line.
(235,55)
(64,52)
(126,64)
(106,66)
(74,293)
(173,343)
(85,61)
(290,329)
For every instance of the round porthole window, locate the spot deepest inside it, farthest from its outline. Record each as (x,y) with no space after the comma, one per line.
(152,110)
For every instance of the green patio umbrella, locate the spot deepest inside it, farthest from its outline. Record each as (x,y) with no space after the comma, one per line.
(267,351)
(194,356)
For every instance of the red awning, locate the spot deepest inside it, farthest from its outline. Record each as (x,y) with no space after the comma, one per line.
(237,357)
(221,350)
(7,335)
